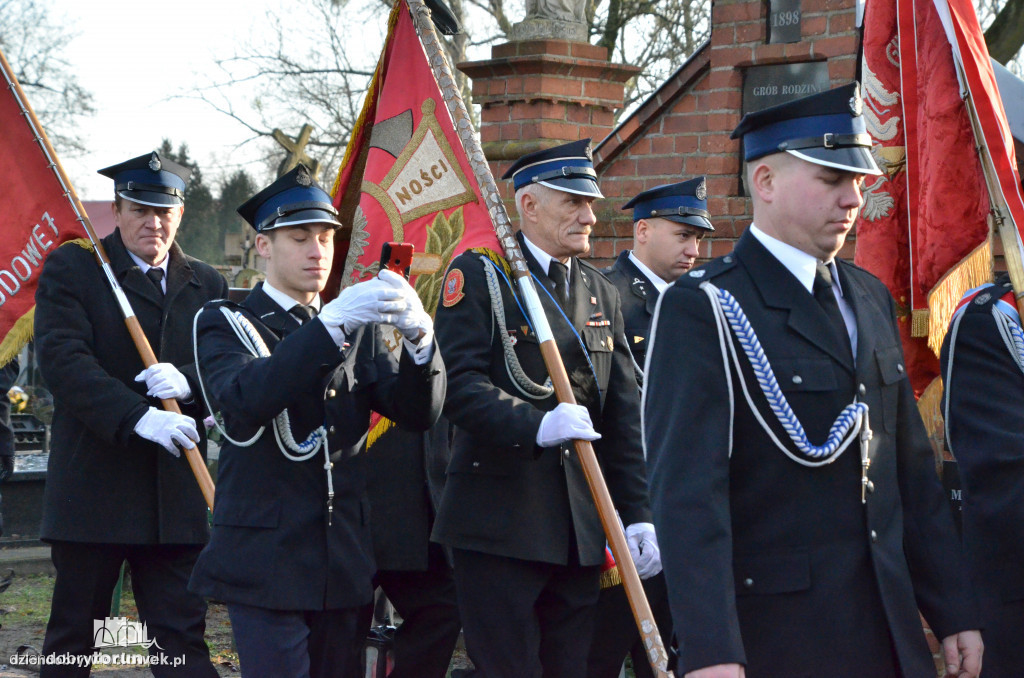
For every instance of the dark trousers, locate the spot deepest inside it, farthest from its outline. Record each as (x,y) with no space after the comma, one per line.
(615,631)
(524,619)
(430,627)
(297,644)
(175,618)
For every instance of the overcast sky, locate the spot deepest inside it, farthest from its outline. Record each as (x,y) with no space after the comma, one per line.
(135,57)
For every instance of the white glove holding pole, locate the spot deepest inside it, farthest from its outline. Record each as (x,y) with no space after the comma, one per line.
(644,549)
(165,381)
(566,422)
(373,301)
(414,322)
(167,428)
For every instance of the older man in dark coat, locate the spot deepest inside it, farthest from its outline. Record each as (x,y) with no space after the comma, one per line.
(117,487)
(798,549)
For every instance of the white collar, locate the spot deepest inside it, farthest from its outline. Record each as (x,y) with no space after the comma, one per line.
(659,284)
(545,259)
(285,301)
(801,264)
(146,266)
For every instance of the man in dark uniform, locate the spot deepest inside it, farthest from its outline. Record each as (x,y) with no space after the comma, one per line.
(669,223)
(291,552)
(413,572)
(798,550)
(516,509)
(983,376)
(117,487)
(8,375)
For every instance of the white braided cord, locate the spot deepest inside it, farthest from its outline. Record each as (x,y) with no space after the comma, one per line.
(1012,334)
(853,420)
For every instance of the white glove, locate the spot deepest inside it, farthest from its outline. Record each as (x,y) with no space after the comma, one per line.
(165,381)
(166,428)
(566,422)
(373,301)
(413,322)
(643,547)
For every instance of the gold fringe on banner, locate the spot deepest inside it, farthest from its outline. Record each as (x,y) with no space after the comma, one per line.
(610,578)
(22,331)
(974,270)
(382,427)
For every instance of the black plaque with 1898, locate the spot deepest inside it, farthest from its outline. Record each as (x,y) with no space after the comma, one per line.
(784,20)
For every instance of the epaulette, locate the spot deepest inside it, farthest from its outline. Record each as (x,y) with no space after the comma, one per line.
(707,271)
(218,303)
(495,257)
(999,294)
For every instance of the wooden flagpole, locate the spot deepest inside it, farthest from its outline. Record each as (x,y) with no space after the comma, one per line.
(652,641)
(195,461)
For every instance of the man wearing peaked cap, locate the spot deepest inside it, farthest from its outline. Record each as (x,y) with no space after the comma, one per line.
(669,222)
(516,510)
(799,548)
(117,487)
(290,551)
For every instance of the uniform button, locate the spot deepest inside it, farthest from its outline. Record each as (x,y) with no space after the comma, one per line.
(797,379)
(862,389)
(871,487)
(565,452)
(899,368)
(748,583)
(331,430)
(728,260)
(476,464)
(874,536)
(331,393)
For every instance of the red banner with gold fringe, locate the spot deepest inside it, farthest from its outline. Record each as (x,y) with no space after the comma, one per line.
(37,214)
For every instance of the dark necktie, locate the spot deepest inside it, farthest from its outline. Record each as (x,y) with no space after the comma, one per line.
(156,276)
(302,313)
(827,299)
(558,273)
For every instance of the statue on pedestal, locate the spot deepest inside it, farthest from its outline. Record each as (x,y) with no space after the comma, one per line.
(557,19)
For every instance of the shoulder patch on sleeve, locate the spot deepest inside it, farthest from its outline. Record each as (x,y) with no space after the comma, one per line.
(452,293)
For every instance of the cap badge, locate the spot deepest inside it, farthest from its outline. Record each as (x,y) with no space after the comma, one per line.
(856,103)
(154,163)
(302,177)
(702,190)
(590,154)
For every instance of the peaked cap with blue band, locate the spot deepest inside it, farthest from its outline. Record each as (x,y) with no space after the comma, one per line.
(150,180)
(568,168)
(684,203)
(294,199)
(825,129)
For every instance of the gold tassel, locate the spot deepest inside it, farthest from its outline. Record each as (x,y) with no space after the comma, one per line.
(974,270)
(377,431)
(22,331)
(930,407)
(611,577)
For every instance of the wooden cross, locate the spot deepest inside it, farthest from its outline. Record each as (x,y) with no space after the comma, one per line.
(296,151)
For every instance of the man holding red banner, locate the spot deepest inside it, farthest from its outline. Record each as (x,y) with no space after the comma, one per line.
(117,488)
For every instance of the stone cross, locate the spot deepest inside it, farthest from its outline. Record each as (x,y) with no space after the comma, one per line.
(296,151)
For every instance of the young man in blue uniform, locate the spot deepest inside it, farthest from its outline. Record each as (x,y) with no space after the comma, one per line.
(983,380)
(669,223)
(516,509)
(290,551)
(798,549)
(117,487)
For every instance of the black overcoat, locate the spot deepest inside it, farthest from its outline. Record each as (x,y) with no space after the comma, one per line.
(504,495)
(770,563)
(104,483)
(639,297)
(985,396)
(274,544)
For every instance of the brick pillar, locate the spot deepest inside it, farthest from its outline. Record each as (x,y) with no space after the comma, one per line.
(536,94)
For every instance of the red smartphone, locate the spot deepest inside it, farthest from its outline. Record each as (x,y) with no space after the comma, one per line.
(397,257)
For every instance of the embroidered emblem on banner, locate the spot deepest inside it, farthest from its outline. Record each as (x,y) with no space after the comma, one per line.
(453,284)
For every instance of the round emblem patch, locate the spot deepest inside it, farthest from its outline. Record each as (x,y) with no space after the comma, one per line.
(452,291)
(702,190)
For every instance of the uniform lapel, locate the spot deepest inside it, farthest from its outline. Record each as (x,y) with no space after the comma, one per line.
(639,284)
(780,289)
(179,273)
(870,317)
(581,295)
(269,313)
(128,273)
